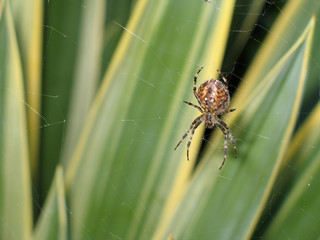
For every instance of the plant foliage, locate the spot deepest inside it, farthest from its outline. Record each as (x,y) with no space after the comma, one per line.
(91,109)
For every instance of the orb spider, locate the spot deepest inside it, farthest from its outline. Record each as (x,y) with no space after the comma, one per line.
(214,98)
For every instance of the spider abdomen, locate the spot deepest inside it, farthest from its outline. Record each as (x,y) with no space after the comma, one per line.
(214,95)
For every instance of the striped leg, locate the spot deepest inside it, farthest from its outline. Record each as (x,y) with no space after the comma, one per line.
(225,143)
(192,127)
(230,136)
(191,104)
(224,79)
(230,110)
(195,86)
(191,136)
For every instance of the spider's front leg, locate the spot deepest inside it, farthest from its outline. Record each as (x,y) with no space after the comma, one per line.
(191,104)
(195,86)
(224,79)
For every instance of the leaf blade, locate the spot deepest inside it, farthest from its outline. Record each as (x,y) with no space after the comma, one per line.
(52,223)
(16,210)
(215,193)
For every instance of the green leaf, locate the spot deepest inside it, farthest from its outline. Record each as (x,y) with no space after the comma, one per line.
(112,174)
(233,199)
(52,223)
(61,32)
(107,167)
(87,73)
(291,22)
(297,214)
(15,187)
(118,12)
(312,93)
(242,27)
(28,21)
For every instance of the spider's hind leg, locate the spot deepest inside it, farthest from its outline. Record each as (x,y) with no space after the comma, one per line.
(230,136)
(230,110)
(225,143)
(192,127)
(191,136)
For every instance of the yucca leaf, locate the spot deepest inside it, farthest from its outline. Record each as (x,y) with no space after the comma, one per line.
(308,135)
(124,163)
(118,12)
(312,93)
(86,75)
(15,187)
(227,204)
(118,176)
(291,22)
(52,223)
(28,21)
(299,212)
(241,28)
(61,33)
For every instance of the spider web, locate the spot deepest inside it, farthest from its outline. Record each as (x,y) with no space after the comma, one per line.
(55,122)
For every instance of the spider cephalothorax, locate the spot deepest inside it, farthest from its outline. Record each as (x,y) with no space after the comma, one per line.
(214,98)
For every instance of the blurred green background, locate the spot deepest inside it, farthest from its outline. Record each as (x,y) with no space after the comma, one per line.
(91,109)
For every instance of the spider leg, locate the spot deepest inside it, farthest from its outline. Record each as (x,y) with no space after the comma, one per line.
(230,110)
(191,104)
(195,86)
(224,79)
(230,136)
(191,136)
(196,121)
(195,79)
(225,143)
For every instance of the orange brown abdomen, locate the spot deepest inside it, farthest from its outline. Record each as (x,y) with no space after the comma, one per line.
(214,95)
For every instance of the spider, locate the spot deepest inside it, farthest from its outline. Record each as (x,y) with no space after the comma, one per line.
(213,98)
